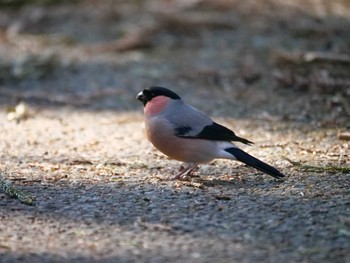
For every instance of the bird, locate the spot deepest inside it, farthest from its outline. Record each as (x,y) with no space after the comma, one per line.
(187,134)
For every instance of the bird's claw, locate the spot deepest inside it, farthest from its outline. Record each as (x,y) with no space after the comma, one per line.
(184,173)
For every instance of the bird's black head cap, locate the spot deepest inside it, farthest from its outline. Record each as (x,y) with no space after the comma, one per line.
(148,94)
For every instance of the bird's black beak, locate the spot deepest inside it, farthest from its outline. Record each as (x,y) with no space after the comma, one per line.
(141,97)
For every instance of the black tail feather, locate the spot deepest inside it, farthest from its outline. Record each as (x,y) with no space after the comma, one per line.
(246,158)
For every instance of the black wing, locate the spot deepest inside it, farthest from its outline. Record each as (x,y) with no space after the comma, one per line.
(213,132)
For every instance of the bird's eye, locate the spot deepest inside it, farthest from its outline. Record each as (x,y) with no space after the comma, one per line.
(149,94)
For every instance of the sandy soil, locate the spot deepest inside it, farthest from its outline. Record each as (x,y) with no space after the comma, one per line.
(275,72)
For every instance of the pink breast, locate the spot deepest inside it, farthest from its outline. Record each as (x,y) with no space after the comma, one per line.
(156,105)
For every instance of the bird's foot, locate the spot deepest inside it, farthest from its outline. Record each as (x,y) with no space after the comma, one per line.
(184,173)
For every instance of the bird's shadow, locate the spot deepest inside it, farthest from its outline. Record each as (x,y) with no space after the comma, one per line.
(233,182)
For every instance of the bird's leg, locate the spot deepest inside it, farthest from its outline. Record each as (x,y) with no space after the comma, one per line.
(185,172)
(181,168)
(190,172)
(181,173)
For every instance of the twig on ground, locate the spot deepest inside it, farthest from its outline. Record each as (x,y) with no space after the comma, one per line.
(143,36)
(14,192)
(298,57)
(319,169)
(326,57)
(134,39)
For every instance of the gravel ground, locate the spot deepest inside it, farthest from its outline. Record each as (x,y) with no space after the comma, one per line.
(99,185)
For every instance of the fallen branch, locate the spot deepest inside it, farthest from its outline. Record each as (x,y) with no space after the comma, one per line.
(9,189)
(326,57)
(299,57)
(144,35)
(319,169)
(135,39)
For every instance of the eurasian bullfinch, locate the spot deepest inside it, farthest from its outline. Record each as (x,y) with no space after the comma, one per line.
(186,134)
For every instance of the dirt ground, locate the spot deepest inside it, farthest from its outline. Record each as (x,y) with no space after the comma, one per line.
(276,72)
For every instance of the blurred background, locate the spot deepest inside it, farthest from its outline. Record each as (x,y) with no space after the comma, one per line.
(285,59)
